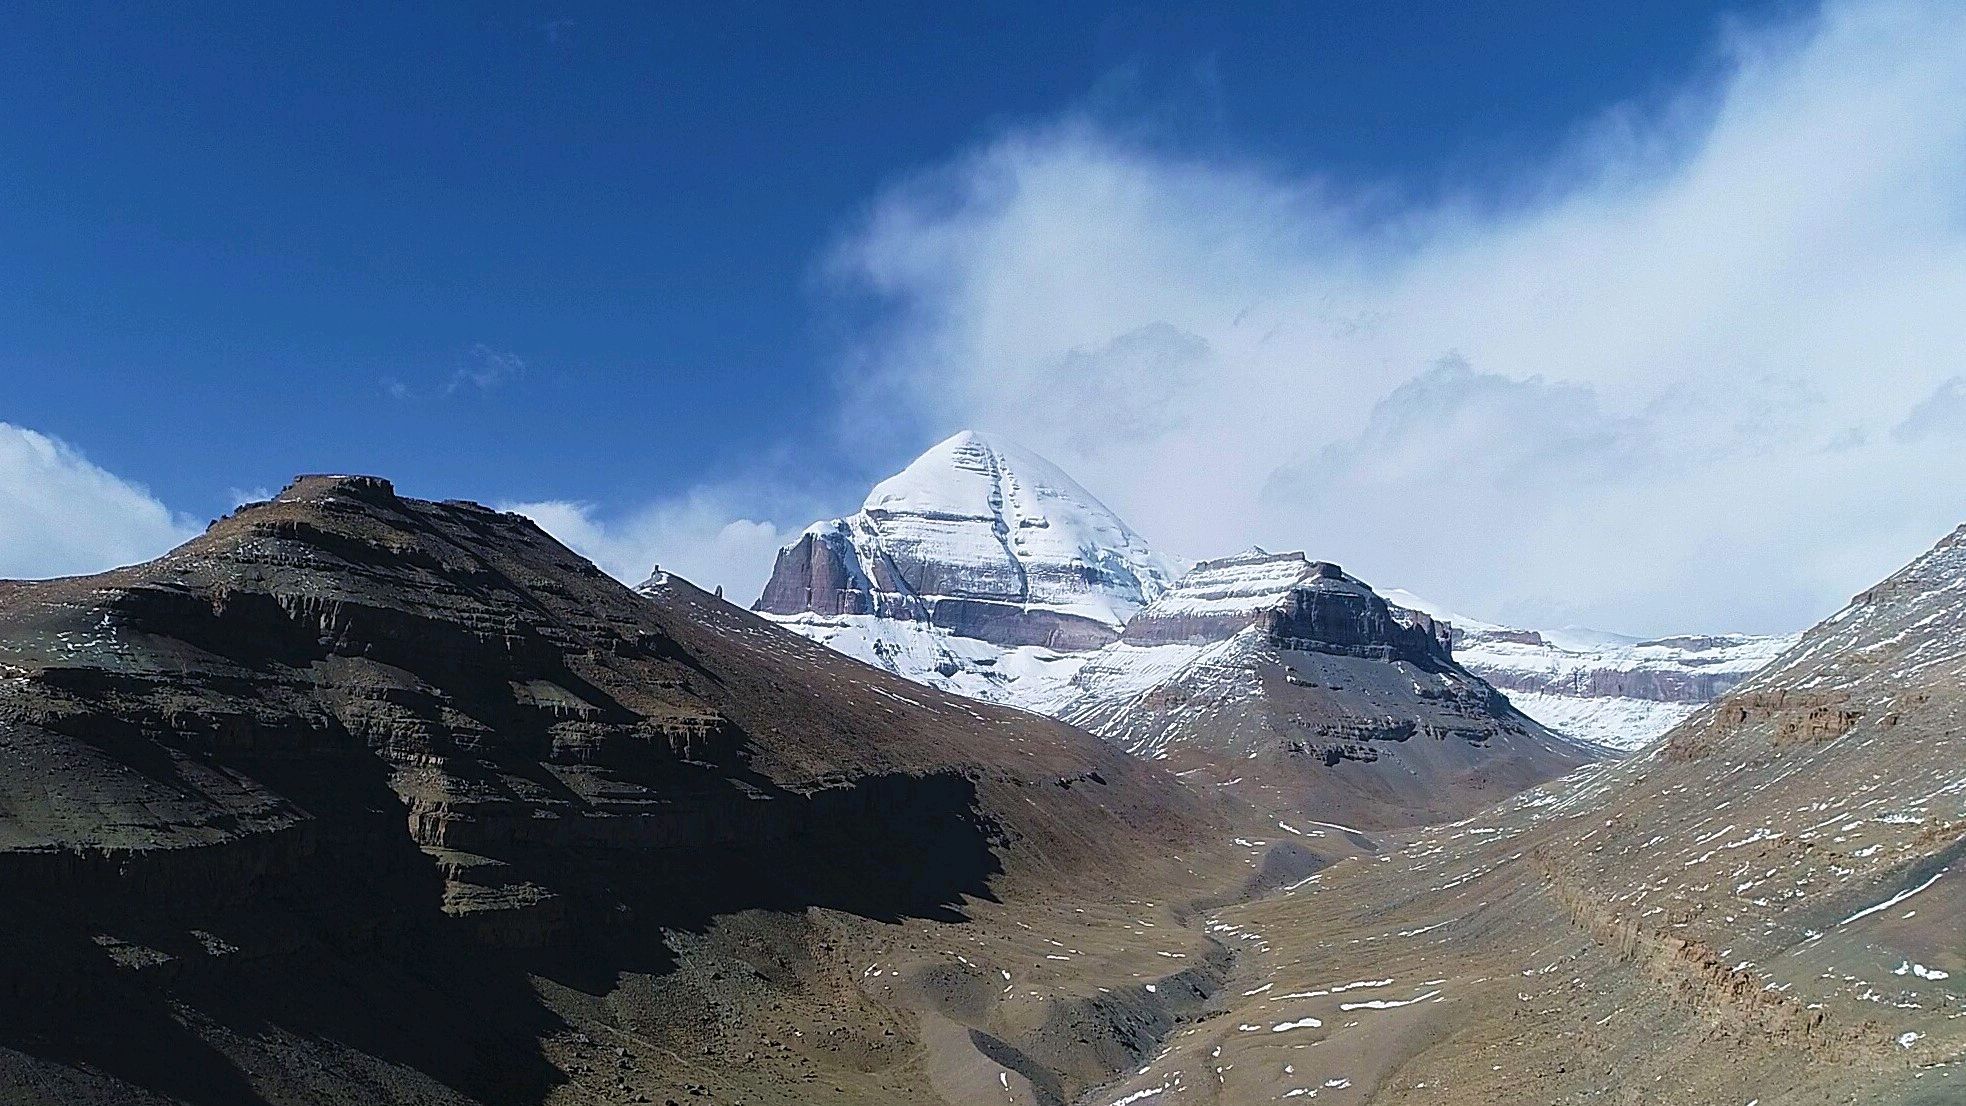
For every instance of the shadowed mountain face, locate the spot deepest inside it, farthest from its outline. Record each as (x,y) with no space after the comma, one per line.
(362,798)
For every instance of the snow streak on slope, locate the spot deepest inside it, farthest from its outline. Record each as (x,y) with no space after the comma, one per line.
(1029,677)
(995,520)
(982,539)
(1611,689)
(1239,587)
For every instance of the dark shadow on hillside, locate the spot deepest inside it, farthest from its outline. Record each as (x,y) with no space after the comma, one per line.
(886,848)
(345,967)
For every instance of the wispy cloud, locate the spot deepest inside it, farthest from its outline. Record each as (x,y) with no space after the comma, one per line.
(478,368)
(1698,371)
(1939,416)
(485,368)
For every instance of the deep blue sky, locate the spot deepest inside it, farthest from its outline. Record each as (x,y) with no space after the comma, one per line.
(241,242)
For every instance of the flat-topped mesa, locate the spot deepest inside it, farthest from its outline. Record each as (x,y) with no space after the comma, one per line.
(981,539)
(316,485)
(1298,603)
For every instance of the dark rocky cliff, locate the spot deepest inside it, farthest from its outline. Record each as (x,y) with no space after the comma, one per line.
(1331,613)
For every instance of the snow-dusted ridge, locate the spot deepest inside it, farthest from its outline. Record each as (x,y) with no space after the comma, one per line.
(1607,688)
(984,570)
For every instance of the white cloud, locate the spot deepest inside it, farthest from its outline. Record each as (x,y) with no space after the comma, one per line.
(1698,372)
(703,536)
(60,515)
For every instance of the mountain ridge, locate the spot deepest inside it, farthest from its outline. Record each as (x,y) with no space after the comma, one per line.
(1611,690)
(360,798)
(1616,690)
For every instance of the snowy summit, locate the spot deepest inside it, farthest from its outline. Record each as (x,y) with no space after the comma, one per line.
(982,539)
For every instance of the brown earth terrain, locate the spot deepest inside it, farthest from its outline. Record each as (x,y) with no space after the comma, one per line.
(358,798)
(1762,908)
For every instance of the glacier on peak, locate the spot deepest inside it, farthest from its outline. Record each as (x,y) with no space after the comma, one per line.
(982,539)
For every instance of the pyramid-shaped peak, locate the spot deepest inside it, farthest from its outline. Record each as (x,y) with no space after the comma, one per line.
(967,474)
(982,537)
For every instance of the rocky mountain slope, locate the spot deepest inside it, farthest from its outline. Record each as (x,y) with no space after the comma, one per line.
(1611,689)
(1272,675)
(1763,907)
(360,798)
(980,539)
(1299,688)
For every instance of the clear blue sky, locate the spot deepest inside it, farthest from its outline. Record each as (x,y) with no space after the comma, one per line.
(239,242)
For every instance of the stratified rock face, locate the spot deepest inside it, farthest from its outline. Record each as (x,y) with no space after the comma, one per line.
(1612,689)
(821,573)
(299,774)
(1302,689)
(980,539)
(953,576)
(1296,602)
(1217,598)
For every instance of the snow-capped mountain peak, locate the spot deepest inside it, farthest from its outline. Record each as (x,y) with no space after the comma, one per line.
(983,569)
(982,538)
